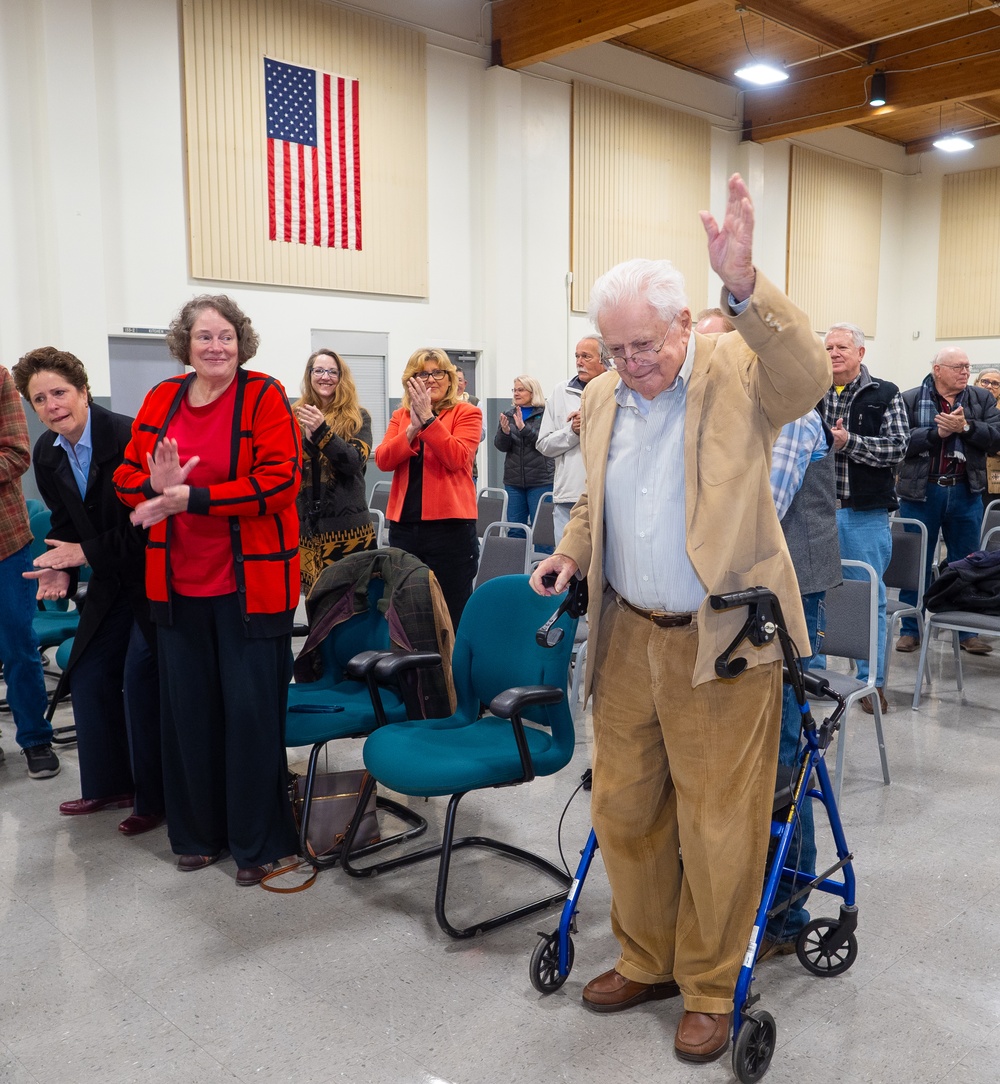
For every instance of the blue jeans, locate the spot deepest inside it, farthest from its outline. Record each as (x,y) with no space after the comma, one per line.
(522,502)
(802,854)
(22,665)
(958,514)
(865,536)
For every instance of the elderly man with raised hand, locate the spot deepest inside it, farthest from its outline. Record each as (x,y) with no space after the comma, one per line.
(952,427)
(677,448)
(870,431)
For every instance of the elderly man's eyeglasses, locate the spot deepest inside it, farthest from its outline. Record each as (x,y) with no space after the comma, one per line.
(637,351)
(957,368)
(434,374)
(325,372)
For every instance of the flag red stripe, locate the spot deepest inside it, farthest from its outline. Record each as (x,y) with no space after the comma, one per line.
(286,193)
(342,240)
(302,193)
(317,240)
(272,227)
(330,240)
(357,166)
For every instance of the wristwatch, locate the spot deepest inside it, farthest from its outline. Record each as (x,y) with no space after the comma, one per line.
(966,428)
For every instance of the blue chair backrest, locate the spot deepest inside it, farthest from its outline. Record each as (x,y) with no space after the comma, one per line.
(495,649)
(362,632)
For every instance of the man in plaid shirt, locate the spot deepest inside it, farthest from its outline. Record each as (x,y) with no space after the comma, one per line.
(870,435)
(22,664)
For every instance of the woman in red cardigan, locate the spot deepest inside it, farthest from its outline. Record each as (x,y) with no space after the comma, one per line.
(212,471)
(430,445)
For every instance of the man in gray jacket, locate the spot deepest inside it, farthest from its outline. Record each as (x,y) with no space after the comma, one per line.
(559,435)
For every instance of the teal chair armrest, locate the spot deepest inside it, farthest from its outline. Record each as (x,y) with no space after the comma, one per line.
(509,705)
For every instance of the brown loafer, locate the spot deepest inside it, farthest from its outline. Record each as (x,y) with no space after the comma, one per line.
(975,645)
(702,1036)
(245,878)
(869,708)
(612,992)
(188,863)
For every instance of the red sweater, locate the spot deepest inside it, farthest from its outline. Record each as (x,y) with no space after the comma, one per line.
(450,444)
(258,499)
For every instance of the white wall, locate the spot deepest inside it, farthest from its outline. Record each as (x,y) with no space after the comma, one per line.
(93,216)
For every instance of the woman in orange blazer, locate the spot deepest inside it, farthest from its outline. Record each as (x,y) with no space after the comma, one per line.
(430,445)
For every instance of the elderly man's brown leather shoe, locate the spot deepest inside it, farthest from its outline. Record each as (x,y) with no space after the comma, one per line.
(612,992)
(702,1036)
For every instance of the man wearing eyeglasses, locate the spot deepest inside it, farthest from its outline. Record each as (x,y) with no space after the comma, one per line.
(870,430)
(952,428)
(677,507)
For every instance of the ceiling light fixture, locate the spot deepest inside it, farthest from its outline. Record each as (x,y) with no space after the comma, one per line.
(953,143)
(758,72)
(877,96)
(761,75)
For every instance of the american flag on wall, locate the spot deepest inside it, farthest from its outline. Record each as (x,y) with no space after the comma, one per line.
(313,156)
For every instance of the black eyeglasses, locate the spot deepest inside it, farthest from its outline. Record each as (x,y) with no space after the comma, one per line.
(434,374)
(989,383)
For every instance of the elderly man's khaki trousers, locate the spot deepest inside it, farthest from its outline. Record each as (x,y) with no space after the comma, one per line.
(685,769)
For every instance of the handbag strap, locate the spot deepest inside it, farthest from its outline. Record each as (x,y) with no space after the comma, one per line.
(268,878)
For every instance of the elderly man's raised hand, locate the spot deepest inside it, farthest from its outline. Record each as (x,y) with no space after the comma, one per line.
(730,246)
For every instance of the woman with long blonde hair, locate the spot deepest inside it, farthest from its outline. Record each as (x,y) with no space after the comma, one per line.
(430,445)
(336,441)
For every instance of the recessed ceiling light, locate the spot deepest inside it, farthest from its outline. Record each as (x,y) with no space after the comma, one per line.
(953,143)
(761,75)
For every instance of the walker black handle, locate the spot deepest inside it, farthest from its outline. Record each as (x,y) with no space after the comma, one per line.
(738,598)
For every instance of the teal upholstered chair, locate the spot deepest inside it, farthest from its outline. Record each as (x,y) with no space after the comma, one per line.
(497,661)
(55,622)
(338,706)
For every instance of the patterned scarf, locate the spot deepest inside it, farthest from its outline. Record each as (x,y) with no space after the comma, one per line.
(928,407)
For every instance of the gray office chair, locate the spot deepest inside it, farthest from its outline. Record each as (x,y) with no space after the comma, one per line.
(543,528)
(905,573)
(991,519)
(503,554)
(378,499)
(491,507)
(852,633)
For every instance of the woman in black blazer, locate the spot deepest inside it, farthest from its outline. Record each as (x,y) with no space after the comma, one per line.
(118,734)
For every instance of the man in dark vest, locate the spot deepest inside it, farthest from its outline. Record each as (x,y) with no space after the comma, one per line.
(870,433)
(803,486)
(952,427)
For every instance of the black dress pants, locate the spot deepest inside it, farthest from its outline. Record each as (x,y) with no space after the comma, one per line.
(224,696)
(450,549)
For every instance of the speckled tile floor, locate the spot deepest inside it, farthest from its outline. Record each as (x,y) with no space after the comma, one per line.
(114,967)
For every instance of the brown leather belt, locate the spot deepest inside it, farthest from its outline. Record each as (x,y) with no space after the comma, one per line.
(663,619)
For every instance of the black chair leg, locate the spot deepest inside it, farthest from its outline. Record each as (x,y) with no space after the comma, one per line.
(444,850)
(417,824)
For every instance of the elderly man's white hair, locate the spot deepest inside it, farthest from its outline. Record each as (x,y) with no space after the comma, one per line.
(853,330)
(657,282)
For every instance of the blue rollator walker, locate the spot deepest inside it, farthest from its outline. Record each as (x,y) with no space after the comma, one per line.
(826,946)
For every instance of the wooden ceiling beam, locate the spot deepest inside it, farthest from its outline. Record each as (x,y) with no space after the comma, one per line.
(920,146)
(818,30)
(832,101)
(530,31)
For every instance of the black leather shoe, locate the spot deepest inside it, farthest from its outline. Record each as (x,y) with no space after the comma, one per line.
(612,992)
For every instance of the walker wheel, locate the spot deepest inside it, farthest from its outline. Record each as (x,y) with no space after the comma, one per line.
(816,958)
(754,1046)
(544,968)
